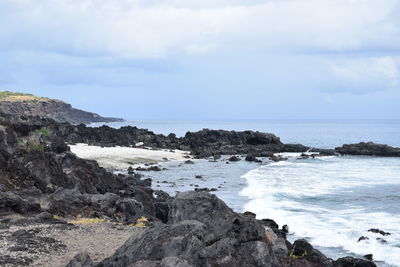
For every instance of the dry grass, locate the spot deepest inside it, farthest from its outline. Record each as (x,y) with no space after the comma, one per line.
(87,221)
(140,223)
(18,97)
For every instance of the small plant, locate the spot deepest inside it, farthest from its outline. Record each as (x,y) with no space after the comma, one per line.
(292,255)
(44,132)
(31,146)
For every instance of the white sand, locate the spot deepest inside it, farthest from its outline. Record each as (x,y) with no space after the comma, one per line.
(120,158)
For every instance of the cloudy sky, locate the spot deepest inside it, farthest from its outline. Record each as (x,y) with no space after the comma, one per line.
(207,59)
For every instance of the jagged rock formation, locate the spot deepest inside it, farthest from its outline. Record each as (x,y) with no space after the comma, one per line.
(38,173)
(202,231)
(204,143)
(369,149)
(29,105)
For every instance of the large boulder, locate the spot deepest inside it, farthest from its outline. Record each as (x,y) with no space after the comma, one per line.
(201,231)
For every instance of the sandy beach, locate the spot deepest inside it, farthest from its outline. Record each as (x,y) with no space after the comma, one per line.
(121,158)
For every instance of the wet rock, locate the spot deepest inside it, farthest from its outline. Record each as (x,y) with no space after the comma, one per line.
(302,250)
(250,157)
(152,168)
(350,262)
(234,158)
(277,158)
(362,238)
(131,170)
(377,231)
(189,162)
(205,189)
(369,149)
(369,257)
(199,177)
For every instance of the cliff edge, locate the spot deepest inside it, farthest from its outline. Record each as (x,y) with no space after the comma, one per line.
(30,105)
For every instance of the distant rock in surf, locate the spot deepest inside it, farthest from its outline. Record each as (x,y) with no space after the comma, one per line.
(368,149)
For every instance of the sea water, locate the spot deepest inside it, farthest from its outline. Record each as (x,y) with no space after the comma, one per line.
(330,201)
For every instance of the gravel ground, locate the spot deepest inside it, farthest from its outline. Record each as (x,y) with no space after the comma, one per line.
(54,245)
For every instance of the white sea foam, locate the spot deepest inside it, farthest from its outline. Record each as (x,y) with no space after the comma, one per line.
(332,201)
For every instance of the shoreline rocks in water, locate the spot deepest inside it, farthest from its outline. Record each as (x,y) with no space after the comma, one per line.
(39,175)
(368,149)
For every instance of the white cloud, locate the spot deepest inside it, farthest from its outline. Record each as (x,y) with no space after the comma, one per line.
(364,75)
(144,28)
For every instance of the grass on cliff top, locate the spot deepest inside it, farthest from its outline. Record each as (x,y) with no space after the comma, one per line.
(14,97)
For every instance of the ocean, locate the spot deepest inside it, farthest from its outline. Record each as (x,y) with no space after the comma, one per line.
(330,201)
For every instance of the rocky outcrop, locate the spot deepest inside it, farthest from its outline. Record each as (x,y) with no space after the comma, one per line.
(54,109)
(202,231)
(201,144)
(38,173)
(368,149)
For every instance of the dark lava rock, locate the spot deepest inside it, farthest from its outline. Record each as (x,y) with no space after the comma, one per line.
(277,158)
(11,202)
(369,149)
(270,223)
(303,251)
(55,109)
(234,158)
(369,257)
(362,238)
(189,162)
(152,168)
(250,214)
(377,231)
(199,177)
(353,262)
(131,170)
(250,157)
(80,260)
(201,231)
(205,189)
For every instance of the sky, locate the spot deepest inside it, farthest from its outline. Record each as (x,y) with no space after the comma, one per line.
(207,59)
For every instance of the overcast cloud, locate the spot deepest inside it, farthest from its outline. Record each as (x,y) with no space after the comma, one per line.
(217,59)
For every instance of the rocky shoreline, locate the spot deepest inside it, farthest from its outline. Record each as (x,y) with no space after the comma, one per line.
(43,184)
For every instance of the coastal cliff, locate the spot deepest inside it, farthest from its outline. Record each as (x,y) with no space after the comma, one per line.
(30,105)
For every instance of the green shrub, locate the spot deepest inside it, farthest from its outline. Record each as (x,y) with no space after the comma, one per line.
(44,132)
(34,147)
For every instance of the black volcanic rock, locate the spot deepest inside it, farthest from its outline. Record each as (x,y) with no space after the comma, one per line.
(48,108)
(202,231)
(369,149)
(250,157)
(353,262)
(40,177)
(38,173)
